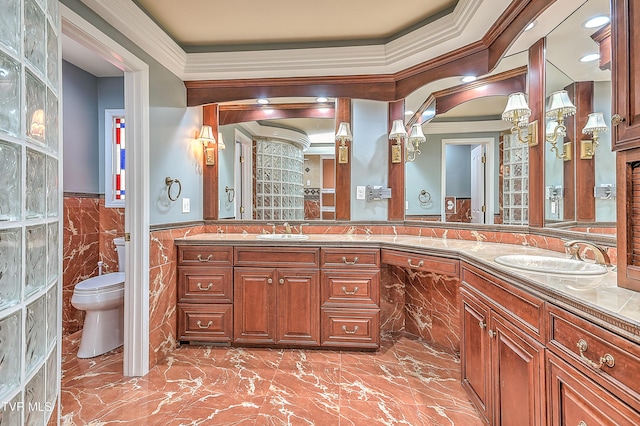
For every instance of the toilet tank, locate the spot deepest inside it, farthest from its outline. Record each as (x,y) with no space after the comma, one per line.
(119,242)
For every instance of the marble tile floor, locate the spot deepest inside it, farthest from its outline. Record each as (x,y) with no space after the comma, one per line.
(407,382)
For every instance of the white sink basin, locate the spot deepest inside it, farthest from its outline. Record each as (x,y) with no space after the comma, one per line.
(550,265)
(282,237)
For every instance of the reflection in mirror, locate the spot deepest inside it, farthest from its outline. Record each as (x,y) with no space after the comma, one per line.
(589,85)
(279,169)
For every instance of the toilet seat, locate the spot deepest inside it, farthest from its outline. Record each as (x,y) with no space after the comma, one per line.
(101,284)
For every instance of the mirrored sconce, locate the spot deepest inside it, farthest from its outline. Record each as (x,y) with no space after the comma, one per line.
(398,133)
(518,112)
(343,136)
(208,142)
(560,107)
(595,125)
(221,144)
(416,137)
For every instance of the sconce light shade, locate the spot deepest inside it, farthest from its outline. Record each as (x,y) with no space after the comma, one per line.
(397,130)
(595,123)
(221,144)
(206,137)
(517,111)
(560,105)
(344,133)
(206,134)
(417,136)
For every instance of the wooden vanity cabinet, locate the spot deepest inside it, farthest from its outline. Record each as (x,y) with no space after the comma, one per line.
(502,359)
(205,294)
(277,306)
(350,297)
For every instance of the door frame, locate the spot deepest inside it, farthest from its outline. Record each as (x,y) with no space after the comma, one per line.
(243,176)
(490,175)
(137,203)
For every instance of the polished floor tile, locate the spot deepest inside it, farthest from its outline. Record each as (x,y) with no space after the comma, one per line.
(406,382)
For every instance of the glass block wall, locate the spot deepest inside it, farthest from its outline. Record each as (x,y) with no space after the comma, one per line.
(515,181)
(30,206)
(279,191)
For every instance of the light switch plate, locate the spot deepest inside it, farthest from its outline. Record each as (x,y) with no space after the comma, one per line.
(360,192)
(186,205)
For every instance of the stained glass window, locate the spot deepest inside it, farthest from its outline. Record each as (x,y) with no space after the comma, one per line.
(115,155)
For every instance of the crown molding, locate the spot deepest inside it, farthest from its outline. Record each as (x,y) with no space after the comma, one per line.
(277,133)
(466,24)
(452,127)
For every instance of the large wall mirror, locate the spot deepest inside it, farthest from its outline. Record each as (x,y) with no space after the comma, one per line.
(277,169)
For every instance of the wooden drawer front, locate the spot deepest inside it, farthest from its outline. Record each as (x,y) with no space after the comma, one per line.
(205,255)
(348,288)
(350,258)
(351,328)
(437,265)
(588,344)
(575,400)
(209,323)
(277,256)
(518,305)
(205,285)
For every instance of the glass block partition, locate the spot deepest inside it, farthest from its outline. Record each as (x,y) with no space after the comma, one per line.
(515,181)
(30,211)
(279,190)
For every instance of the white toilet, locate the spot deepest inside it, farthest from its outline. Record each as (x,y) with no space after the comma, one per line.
(103,299)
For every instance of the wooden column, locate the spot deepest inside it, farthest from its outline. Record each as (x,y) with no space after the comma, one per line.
(585,169)
(396,170)
(343,171)
(210,173)
(537,70)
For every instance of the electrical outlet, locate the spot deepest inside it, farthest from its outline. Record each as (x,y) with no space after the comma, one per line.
(360,192)
(186,205)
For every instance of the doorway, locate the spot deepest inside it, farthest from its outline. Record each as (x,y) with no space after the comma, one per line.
(243,175)
(468,180)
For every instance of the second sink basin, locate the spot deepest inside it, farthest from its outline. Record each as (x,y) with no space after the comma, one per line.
(550,265)
(282,237)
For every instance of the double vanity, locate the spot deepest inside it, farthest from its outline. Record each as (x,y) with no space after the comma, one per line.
(535,347)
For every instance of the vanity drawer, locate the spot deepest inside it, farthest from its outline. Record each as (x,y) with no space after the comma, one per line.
(450,267)
(350,258)
(348,288)
(205,255)
(351,328)
(205,285)
(611,359)
(277,256)
(207,323)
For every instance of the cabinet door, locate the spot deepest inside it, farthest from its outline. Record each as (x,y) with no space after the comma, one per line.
(625,51)
(298,307)
(474,351)
(517,374)
(254,305)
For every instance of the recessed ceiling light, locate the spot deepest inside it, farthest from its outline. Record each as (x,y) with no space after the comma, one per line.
(409,112)
(469,78)
(590,57)
(531,25)
(321,99)
(597,21)
(263,101)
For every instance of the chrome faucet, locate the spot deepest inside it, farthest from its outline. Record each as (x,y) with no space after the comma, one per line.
(601,256)
(287,228)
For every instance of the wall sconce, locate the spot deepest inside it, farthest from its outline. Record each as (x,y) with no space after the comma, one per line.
(416,137)
(595,125)
(343,136)
(221,144)
(560,106)
(207,139)
(398,132)
(518,112)
(36,129)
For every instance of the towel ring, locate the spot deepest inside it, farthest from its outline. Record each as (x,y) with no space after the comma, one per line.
(169,182)
(231,193)
(424,197)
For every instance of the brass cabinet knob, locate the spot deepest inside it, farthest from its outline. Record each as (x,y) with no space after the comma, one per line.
(492,334)
(483,325)
(281,280)
(270,280)
(616,119)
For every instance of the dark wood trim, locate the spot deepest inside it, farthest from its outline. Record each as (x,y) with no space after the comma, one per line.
(343,171)
(241,113)
(537,88)
(396,170)
(210,173)
(628,271)
(430,102)
(585,169)
(603,38)
(504,84)
(568,169)
(476,58)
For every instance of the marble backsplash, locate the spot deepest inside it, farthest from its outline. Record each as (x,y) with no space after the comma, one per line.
(89,230)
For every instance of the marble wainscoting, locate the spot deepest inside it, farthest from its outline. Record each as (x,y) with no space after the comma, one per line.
(163,291)
(89,230)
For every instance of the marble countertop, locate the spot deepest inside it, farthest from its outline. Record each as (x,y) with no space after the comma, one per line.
(597,296)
